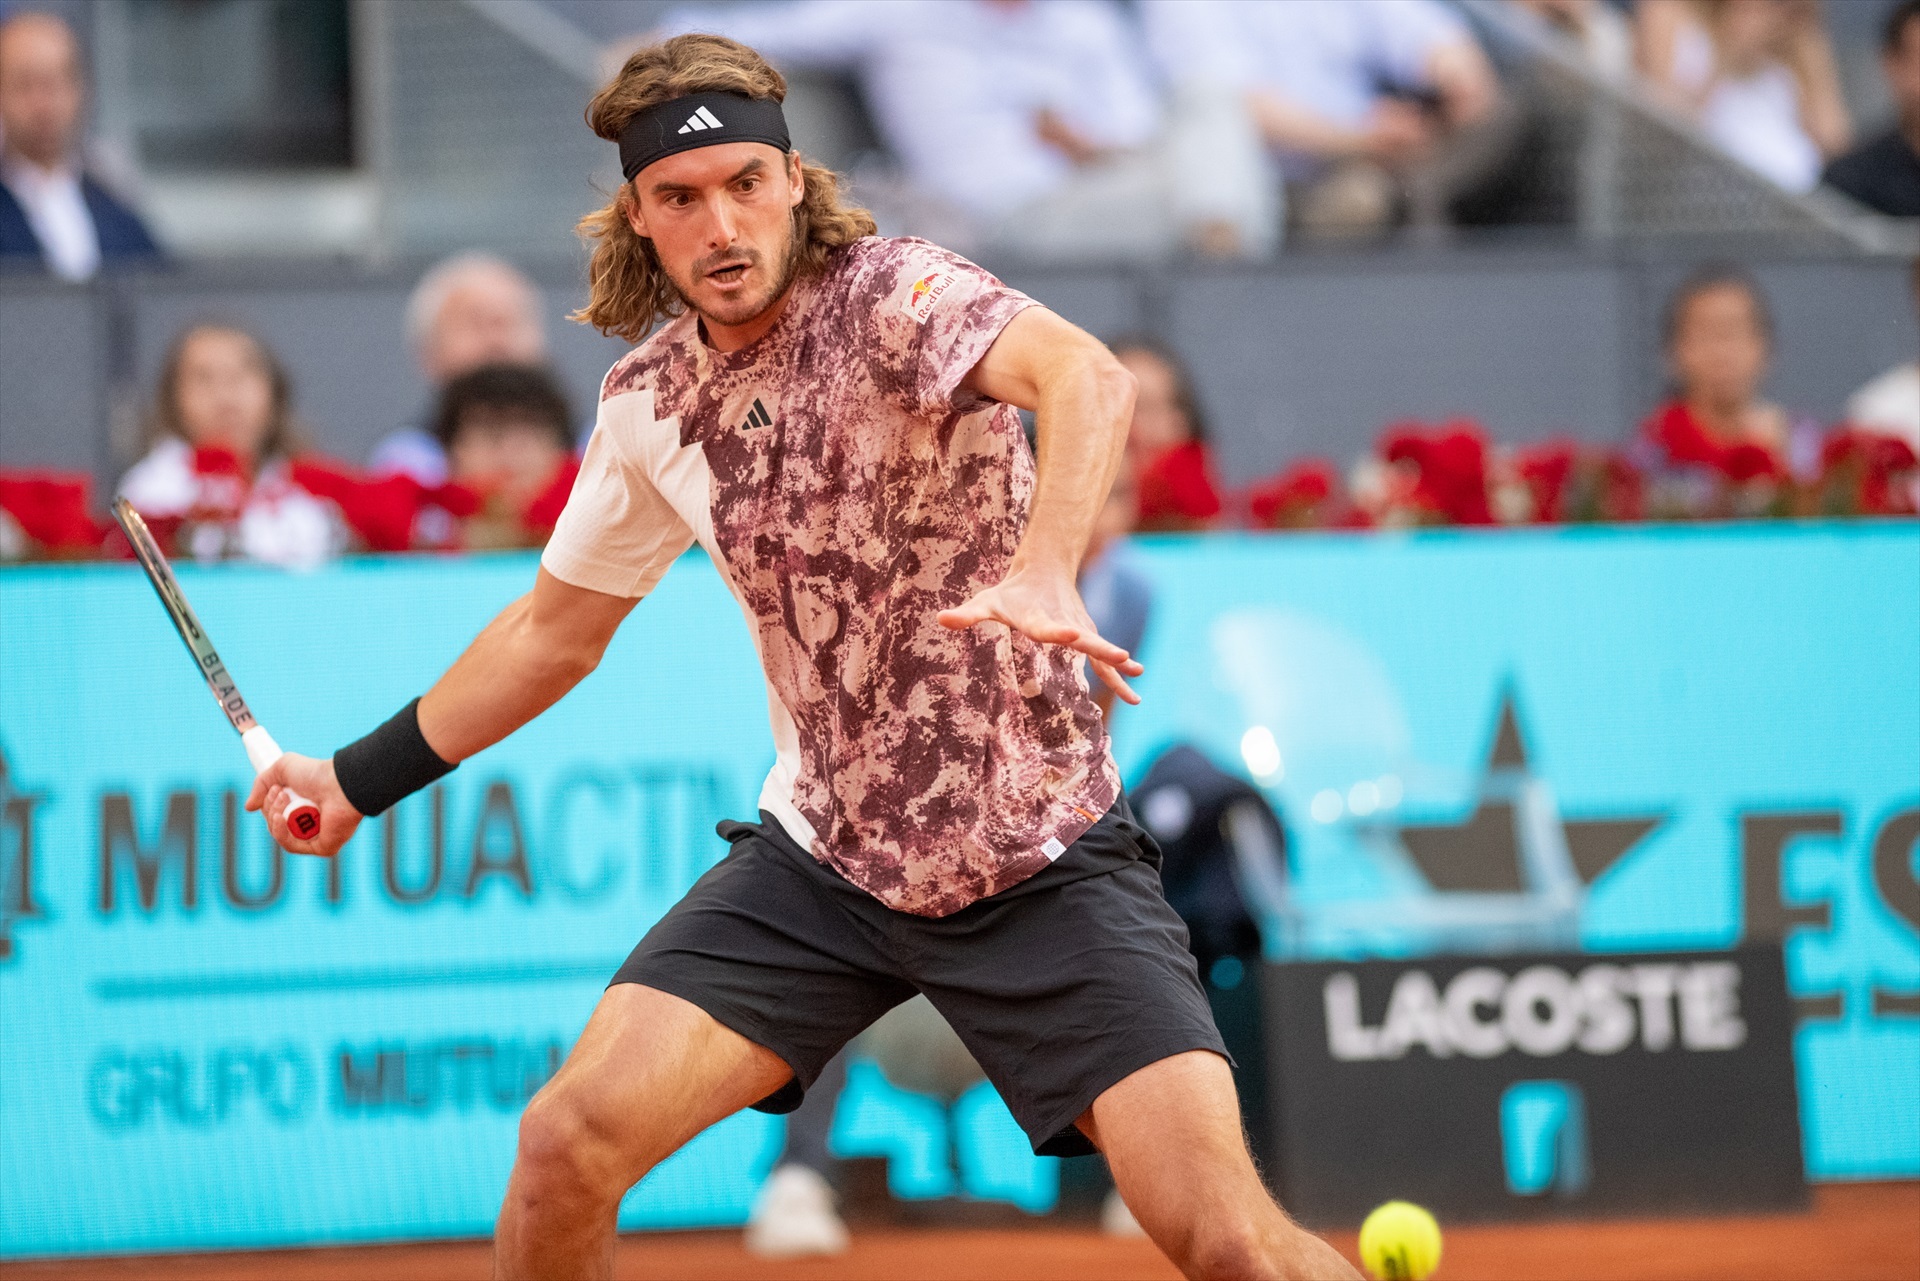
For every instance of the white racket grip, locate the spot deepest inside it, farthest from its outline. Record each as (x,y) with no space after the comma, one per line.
(262,751)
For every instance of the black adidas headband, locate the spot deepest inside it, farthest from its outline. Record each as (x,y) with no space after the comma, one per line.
(699,120)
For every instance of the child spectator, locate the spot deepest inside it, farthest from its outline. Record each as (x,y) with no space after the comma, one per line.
(1717,437)
(216,480)
(1167,454)
(508,436)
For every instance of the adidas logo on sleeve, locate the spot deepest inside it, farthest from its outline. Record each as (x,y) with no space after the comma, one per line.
(701,119)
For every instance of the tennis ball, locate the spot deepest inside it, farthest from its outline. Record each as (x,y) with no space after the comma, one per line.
(1400,1242)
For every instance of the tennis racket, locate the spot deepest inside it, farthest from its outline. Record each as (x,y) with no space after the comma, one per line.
(303,816)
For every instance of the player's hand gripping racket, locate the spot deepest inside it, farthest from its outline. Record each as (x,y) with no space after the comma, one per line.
(303,816)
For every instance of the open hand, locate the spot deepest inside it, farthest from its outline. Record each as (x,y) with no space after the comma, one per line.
(1047,608)
(315,781)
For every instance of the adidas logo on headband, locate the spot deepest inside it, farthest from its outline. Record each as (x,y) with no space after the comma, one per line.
(652,134)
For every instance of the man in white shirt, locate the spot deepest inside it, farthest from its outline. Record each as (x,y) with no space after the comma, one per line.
(53,214)
(469,310)
(1373,111)
(1038,124)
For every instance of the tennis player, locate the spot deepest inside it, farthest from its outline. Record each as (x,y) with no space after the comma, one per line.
(833,416)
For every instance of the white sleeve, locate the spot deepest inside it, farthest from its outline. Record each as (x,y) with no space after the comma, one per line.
(827,34)
(1406,32)
(617,534)
(1196,40)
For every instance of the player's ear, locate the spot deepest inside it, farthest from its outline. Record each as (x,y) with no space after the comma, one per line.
(630,206)
(796,179)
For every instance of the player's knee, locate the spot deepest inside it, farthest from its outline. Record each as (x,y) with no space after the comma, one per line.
(1269,1247)
(1224,1247)
(1227,1245)
(560,1150)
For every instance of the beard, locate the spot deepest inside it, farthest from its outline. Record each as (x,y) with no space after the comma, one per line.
(738,311)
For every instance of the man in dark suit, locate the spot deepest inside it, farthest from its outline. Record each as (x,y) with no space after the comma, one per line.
(54,214)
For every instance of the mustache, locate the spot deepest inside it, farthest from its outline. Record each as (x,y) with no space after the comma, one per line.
(734,257)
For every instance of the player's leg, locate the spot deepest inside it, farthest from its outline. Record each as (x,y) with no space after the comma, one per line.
(649,1073)
(1077,993)
(738,996)
(1171,1133)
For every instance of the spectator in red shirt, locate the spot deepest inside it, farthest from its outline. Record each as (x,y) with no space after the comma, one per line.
(1167,453)
(217,479)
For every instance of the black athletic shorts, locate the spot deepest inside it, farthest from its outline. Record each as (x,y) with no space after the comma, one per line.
(1061,986)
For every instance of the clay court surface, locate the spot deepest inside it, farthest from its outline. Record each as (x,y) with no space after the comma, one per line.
(1859,1232)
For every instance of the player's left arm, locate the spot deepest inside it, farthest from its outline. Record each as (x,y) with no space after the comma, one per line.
(1082,401)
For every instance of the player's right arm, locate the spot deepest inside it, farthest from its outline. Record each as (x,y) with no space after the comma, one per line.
(538,648)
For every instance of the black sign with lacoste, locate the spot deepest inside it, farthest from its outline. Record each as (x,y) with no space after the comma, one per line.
(1534,1086)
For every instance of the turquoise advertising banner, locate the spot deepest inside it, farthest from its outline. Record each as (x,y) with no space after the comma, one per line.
(1608,740)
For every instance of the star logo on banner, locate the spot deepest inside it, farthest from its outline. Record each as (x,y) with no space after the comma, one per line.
(1482,852)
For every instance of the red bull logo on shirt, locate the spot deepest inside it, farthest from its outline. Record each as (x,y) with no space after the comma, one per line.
(926,293)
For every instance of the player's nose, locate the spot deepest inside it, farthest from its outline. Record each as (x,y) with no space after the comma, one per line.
(722,227)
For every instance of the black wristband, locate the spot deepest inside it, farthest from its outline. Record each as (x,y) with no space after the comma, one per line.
(393,762)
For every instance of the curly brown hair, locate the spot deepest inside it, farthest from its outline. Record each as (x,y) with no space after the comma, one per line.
(628,290)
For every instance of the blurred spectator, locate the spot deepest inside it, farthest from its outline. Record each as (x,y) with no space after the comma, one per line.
(1168,460)
(1721,447)
(508,437)
(1374,110)
(217,480)
(1114,588)
(1758,76)
(1885,173)
(53,211)
(467,311)
(1890,404)
(1037,123)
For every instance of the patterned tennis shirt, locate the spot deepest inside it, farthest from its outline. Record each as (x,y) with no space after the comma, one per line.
(848,489)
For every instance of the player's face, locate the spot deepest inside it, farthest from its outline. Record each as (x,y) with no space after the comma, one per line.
(721,222)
